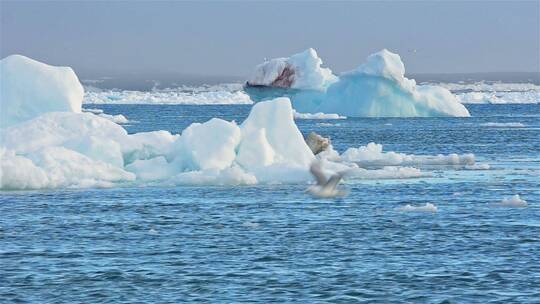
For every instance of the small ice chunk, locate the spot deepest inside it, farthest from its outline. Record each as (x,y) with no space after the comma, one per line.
(386,173)
(94,111)
(428,207)
(503,125)
(478,167)
(514,201)
(119,119)
(318,115)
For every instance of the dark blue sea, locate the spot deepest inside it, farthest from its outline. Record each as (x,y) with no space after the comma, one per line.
(275,244)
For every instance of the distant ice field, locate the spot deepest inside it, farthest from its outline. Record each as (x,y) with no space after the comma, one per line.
(233,93)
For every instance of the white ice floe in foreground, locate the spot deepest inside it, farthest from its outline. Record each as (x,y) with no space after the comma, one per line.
(300,71)
(514,201)
(47,146)
(67,149)
(428,207)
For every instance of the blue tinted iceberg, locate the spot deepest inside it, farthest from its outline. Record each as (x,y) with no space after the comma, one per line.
(377,88)
(31,88)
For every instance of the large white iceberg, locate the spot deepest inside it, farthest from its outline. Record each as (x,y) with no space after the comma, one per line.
(300,71)
(30,88)
(272,147)
(377,88)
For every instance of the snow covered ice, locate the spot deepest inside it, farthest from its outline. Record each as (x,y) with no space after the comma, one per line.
(31,88)
(300,71)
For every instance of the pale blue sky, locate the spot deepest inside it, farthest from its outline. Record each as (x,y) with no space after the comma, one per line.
(229,38)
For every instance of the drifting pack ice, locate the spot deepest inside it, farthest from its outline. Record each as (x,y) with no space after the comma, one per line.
(377,88)
(47,142)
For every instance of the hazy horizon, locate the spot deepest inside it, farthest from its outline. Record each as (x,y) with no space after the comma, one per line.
(227,39)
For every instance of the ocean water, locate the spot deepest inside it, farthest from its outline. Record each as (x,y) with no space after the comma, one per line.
(274,243)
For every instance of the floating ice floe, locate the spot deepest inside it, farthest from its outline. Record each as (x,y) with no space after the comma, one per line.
(377,88)
(300,71)
(317,116)
(387,173)
(514,201)
(503,125)
(428,207)
(372,155)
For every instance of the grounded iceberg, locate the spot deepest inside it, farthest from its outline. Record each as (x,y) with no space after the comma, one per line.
(50,143)
(31,88)
(300,71)
(377,88)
